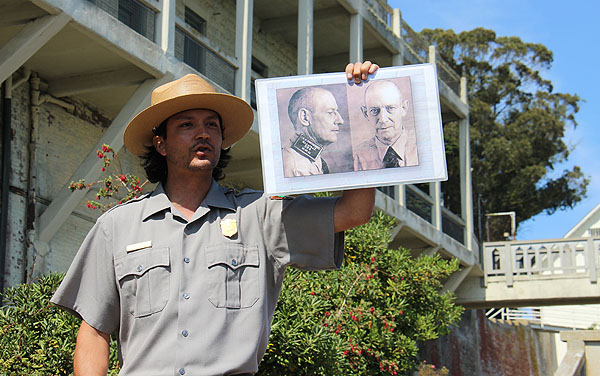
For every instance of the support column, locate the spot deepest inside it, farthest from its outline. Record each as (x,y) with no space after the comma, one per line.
(398,59)
(243,47)
(356,35)
(466,188)
(165,28)
(305,36)
(435,188)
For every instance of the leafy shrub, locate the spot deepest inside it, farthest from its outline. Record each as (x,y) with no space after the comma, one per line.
(365,318)
(36,337)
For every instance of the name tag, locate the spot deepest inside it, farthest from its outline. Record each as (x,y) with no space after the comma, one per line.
(138,246)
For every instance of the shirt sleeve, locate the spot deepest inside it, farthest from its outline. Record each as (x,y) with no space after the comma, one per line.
(300,233)
(89,288)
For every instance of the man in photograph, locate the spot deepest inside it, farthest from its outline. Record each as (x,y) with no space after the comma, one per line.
(314,114)
(393,144)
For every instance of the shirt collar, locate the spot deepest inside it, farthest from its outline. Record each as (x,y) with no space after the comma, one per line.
(159,201)
(399,146)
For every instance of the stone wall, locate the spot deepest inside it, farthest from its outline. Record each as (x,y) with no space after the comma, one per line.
(479,346)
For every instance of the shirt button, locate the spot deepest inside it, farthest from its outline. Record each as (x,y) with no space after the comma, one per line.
(234,262)
(182,371)
(139,268)
(186,296)
(187,261)
(184,333)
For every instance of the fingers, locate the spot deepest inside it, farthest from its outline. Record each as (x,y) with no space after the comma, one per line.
(360,71)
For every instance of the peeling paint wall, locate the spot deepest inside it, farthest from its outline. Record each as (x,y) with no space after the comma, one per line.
(63,141)
(479,346)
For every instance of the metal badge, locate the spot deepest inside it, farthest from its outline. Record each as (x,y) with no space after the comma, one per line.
(228,227)
(307,148)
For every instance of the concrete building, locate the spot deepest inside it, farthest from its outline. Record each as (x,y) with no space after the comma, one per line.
(75,71)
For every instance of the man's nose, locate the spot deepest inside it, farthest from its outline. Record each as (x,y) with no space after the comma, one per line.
(202,132)
(338,119)
(383,115)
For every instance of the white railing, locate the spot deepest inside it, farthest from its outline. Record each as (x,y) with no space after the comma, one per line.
(564,317)
(541,259)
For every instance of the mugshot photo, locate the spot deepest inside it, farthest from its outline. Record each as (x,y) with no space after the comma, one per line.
(314,129)
(382,125)
(322,132)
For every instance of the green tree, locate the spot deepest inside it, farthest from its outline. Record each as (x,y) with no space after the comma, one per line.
(518,123)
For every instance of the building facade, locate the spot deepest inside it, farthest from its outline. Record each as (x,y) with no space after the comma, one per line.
(74,72)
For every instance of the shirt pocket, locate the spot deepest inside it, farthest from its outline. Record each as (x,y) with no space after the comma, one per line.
(144,277)
(233,276)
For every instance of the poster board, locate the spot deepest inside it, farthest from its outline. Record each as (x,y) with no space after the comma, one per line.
(323,132)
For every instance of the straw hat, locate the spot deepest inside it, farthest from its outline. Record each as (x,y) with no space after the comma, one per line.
(187,93)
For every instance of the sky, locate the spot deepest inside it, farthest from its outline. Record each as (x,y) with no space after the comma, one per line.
(566,28)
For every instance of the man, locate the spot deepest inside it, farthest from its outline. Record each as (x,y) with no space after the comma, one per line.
(314,113)
(393,145)
(189,275)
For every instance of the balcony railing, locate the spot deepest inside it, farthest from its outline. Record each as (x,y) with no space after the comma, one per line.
(529,260)
(132,13)
(193,51)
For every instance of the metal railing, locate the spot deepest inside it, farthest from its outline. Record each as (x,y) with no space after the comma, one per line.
(422,205)
(453,225)
(507,261)
(565,317)
(419,202)
(447,74)
(190,49)
(133,13)
(382,10)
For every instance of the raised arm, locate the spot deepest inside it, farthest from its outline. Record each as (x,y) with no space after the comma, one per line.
(91,351)
(356,206)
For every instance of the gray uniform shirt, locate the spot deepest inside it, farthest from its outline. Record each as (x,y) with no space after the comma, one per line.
(196,297)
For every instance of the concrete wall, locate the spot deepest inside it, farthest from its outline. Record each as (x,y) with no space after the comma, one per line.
(479,346)
(64,138)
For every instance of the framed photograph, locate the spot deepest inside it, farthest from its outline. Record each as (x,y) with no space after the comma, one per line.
(322,132)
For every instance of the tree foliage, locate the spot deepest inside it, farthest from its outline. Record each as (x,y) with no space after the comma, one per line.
(518,123)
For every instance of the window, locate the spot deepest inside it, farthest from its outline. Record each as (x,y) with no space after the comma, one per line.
(595,231)
(195,21)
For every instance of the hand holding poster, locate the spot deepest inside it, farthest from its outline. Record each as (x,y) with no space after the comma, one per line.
(323,132)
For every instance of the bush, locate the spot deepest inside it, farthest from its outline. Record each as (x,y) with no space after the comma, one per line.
(36,337)
(365,318)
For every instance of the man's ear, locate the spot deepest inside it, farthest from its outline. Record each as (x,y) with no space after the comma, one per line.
(404,107)
(363,109)
(159,145)
(304,116)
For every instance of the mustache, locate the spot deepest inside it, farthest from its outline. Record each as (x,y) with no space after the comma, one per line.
(202,144)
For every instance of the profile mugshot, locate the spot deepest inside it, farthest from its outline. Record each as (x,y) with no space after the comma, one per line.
(315,116)
(393,143)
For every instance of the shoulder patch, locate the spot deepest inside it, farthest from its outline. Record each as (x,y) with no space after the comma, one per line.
(281,198)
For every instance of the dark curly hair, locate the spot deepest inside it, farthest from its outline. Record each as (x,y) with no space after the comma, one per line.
(155,164)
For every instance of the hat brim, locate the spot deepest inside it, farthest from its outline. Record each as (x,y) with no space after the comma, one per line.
(237,116)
